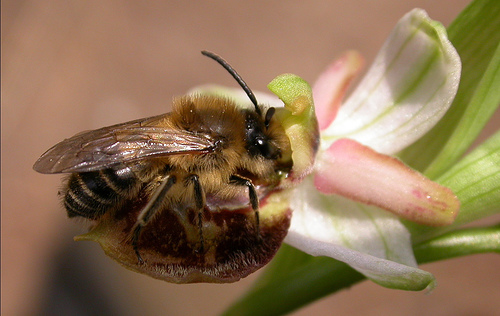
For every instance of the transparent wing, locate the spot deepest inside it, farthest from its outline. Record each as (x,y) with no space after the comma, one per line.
(126,142)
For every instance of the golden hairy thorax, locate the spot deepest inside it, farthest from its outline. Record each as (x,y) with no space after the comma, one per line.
(220,119)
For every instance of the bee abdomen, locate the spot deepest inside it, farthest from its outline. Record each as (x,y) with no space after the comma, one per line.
(91,194)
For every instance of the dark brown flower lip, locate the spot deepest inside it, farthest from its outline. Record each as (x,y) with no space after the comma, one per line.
(236,253)
(171,245)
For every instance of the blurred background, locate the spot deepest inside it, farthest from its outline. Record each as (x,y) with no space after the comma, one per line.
(69,66)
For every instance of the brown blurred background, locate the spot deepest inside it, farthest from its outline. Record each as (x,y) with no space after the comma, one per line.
(69,66)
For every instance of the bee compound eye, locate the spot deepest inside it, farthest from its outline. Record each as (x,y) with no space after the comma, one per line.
(266,149)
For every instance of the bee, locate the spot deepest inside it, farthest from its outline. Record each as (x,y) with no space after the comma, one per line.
(194,171)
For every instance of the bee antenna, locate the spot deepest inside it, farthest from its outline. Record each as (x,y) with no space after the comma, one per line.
(236,76)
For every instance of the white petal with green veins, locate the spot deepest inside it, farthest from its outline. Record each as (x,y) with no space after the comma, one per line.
(370,240)
(406,91)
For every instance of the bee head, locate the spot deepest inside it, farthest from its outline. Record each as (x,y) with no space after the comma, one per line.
(258,139)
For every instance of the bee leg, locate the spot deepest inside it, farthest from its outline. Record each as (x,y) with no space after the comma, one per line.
(149,210)
(199,199)
(254,199)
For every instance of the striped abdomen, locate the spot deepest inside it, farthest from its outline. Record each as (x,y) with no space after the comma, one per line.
(91,194)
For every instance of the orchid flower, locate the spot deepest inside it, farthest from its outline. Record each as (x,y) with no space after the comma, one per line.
(363,206)
(352,199)
(340,209)
(337,212)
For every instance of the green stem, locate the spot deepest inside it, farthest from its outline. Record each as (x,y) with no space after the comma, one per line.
(459,243)
(317,279)
(321,276)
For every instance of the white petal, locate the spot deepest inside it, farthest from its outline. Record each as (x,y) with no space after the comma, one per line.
(406,91)
(370,240)
(238,95)
(381,271)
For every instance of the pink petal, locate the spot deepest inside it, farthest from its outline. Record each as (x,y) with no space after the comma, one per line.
(330,87)
(353,170)
(407,90)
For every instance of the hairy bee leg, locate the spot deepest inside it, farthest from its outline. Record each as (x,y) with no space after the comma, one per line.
(149,210)
(199,199)
(252,194)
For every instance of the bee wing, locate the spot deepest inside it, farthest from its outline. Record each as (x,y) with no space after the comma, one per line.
(126,142)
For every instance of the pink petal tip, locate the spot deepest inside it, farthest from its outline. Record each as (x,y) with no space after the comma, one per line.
(355,171)
(330,87)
